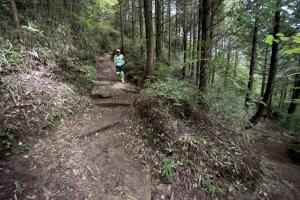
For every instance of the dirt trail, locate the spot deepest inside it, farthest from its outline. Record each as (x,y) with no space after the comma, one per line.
(273,147)
(86,157)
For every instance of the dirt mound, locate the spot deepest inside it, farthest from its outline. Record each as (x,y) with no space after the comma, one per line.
(35,100)
(200,151)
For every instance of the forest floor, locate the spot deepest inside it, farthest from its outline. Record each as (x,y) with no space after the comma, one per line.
(89,156)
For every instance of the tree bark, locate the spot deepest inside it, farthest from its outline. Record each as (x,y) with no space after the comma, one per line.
(199,42)
(16,18)
(252,63)
(176,22)
(169,30)
(272,71)
(121,25)
(133,19)
(295,95)
(194,52)
(158,29)
(149,36)
(228,63)
(263,85)
(236,61)
(141,26)
(283,93)
(184,42)
(205,45)
(213,9)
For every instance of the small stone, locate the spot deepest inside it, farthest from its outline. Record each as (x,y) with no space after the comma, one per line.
(162,196)
(31,197)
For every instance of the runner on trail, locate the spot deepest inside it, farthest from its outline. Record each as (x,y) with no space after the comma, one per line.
(119,62)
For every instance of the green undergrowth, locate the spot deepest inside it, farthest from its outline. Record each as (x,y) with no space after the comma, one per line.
(228,103)
(177,91)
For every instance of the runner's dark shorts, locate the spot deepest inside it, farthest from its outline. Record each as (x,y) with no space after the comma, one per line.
(120,69)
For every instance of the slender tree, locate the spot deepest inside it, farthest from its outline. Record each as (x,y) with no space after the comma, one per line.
(149,36)
(169,31)
(228,63)
(16,18)
(184,42)
(295,94)
(205,45)
(252,63)
(176,21)
(194,52)
(236,62)
(263,81)
(133,18)
(283,92)
(158,28)
(199,42)
(141,26)
(121,24)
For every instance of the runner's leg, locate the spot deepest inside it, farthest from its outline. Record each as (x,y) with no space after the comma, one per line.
(122,75)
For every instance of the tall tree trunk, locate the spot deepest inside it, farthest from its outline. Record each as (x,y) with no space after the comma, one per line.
(283,92)
(16,18)
(176,22)
(205,45)
(121,24)
(199,42)
(158,28)
(213,7)
(162,29)
(133,19)
(191,44)
(184,42)
(194,52)
(252,63)
(48,8)
(295,95)
(169,30)
(236,62)
(263,84)
(228,62)
(141,26)
(149,36)
(272,71)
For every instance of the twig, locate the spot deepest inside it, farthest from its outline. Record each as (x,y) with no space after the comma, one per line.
(99,130)
(108,104)
(93,177)
(89,170)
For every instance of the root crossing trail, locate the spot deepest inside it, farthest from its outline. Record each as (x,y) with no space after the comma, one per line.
(86,157)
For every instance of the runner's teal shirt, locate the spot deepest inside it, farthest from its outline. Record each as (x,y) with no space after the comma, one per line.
(119,60)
